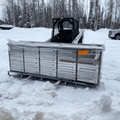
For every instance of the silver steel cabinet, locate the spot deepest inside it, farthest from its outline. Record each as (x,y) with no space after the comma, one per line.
(57,62)
(88,67)
(66,68)
(48,61)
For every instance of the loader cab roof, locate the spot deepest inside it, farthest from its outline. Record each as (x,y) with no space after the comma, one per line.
(64,29)
(63,23)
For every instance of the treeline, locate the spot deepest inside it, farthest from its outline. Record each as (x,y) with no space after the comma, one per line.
(2,22)
(37,13)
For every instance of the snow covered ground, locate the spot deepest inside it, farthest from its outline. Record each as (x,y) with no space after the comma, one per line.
(36,100)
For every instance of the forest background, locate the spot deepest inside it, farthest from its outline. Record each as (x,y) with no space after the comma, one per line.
(92,14)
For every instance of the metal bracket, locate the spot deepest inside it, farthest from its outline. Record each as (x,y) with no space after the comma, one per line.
(27,79)
(9,73)
(57,83)
(97,56)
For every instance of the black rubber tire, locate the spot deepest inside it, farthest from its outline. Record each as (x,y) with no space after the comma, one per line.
(117,37)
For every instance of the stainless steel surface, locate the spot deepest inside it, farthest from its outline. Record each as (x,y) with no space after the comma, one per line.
(56,62)
(17,68)
(15,48)
(66,69)
(31,58)
(16,58)
(57,45)
(88,71)
(48,61)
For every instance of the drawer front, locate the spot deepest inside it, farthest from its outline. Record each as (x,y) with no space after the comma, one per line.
(31,59)
(16,58)
(15,48)
(88,67)
(48,61)
(66,68)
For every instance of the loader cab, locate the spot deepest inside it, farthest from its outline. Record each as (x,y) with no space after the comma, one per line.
(64,30)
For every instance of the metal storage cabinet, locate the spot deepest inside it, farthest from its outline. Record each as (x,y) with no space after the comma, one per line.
(56,61)
(16,58)
(88,68)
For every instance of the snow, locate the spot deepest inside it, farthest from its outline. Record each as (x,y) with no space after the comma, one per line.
(39,116)
(104,103)
(40,100)
(58,45)
(4,25)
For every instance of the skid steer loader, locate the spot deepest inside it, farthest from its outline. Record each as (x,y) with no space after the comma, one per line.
(61,58)
(65,30)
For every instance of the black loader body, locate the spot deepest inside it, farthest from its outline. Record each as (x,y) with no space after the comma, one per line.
(65,30)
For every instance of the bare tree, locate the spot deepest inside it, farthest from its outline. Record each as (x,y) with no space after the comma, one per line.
(96,15)
(13,15)
(70,8)
(74,8)
(35,13)
(110,14)
(91,15)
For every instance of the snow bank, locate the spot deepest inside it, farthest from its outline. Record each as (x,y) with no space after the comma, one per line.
(48,86)
(5,115)
(29,34)
(14,93)
(25,115)
(39,116)
(44,96)
(9,94)
(104,103)
(9,89)
(101,86)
